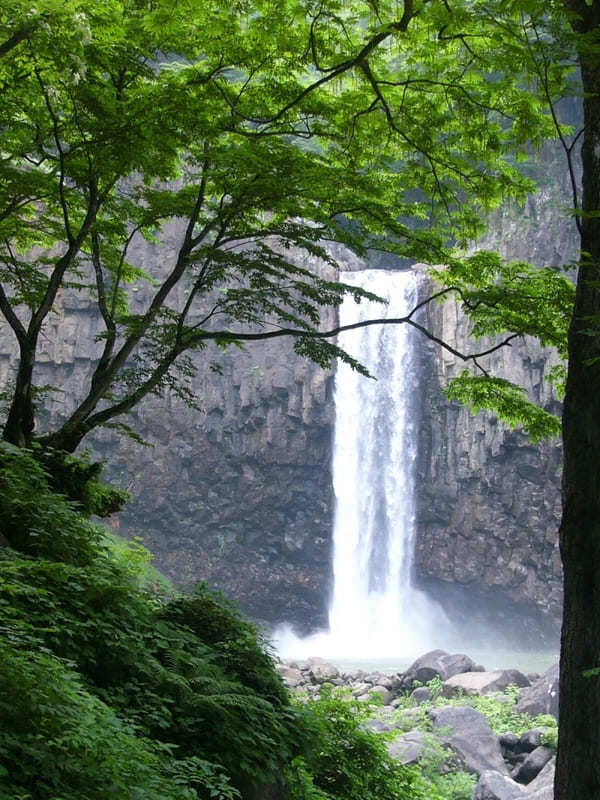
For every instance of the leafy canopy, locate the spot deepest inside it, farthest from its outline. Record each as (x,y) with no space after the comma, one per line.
(245,141)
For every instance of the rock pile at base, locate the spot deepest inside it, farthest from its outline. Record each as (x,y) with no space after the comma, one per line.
(507,766)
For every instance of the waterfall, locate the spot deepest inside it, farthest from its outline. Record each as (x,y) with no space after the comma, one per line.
(375,609)
(374,471)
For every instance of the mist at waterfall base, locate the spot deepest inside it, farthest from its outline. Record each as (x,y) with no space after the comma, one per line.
(376,611)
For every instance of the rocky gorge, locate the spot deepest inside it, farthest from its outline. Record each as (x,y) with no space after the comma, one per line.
(240,494)
(449,715)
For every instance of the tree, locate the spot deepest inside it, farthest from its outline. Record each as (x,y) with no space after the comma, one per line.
(268,131)
(578,766)
(569,32)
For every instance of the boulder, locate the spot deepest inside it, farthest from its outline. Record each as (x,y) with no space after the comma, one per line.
(421,694)
(529,740)
(385,694)
(469,735)
(483,682)
(378,725)
(408,748)
(455,663)
(542,787)
(408,718)
(533,764)
(291,676)
(378,679)
(509,742)
(438,663)
(542,696)
(320,670)
(494,786)
(360,689)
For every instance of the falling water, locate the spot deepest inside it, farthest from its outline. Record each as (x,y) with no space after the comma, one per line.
(375,609)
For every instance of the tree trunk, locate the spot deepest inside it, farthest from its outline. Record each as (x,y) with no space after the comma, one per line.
(578,764)
(20,421)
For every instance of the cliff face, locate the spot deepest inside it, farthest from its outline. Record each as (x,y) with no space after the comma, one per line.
(240,495)
(489,500)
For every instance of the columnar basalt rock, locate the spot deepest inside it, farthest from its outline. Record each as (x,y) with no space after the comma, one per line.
(238,494)
(489,501)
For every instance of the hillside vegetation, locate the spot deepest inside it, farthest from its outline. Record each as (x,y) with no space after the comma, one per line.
(112,686)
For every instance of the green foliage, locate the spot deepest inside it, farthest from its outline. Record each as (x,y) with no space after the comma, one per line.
(35,520)
(549,736)
(454,785)
(136,562)
(508,401)
(59,740)
(450,785)
(260,133)
(236,642)
(110,688)
(499,709)
(111,694)
(510,299)
(345,761)
(78,479)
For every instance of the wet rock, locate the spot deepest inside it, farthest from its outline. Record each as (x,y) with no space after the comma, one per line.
(509,742)
(421,694)
(542,696)
(408,748)
(542,787)
(438,664)
(483,682)
(533,764)
(529,740)
(378,725)
(469,735)
(494,786)
(385,694)
(320,670)
(291,676)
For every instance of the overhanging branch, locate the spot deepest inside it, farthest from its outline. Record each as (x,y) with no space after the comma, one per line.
(232,336)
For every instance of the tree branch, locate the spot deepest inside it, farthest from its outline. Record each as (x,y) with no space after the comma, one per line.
(232,336)
(395,27)
(61,158)
(10,316)
(18,36)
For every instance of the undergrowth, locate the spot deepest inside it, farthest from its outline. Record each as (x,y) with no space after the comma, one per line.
(114,686)
(499,709)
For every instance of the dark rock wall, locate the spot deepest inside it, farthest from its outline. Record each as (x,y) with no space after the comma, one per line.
(239,494)
(489,500)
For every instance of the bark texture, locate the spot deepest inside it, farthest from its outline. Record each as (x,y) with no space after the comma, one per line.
(578,765)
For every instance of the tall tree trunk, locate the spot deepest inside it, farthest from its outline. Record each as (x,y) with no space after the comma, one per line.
(578,765)
(20,422)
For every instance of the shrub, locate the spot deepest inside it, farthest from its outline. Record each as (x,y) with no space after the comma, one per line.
(59,740)
(146,687)
(343,760)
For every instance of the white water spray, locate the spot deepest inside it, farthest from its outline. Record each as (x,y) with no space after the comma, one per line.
(376,612)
